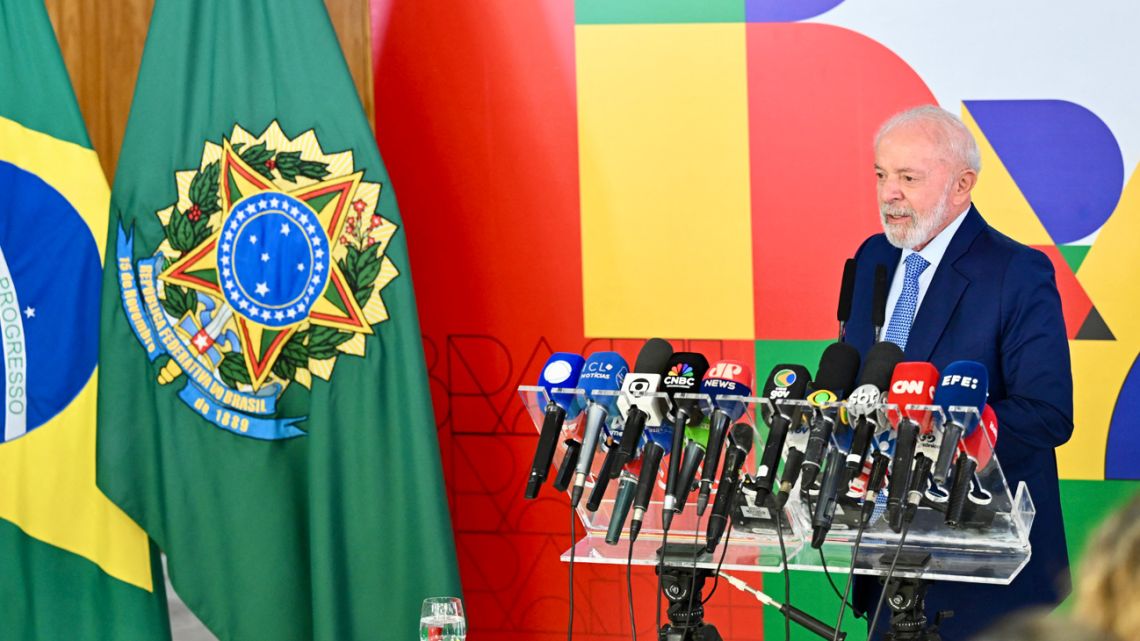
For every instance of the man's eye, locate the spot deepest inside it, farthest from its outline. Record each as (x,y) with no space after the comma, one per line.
(908,179)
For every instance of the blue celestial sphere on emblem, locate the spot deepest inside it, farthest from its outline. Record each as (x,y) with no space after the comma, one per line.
(50,277)
(273,259)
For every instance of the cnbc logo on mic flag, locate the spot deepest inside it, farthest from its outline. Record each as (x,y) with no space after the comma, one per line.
(271,267)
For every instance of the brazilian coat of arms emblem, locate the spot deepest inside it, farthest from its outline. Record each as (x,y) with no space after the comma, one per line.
(271,268)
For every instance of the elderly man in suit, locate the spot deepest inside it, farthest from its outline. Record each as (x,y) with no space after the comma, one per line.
(961,290)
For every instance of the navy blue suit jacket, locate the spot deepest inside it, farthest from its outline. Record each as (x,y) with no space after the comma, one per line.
(994,301)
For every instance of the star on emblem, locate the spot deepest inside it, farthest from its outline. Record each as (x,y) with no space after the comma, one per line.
(265,257)
(29,312)
(285,228)
(262,289)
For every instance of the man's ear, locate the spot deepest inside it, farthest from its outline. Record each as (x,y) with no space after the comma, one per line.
(964,185)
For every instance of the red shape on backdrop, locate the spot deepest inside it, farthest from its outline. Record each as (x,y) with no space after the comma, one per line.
(817,94)
(477,121)
(1075,302)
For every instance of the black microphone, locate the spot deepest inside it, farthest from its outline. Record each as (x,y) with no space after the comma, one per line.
(835,377)
(905,443)
(879,300)
(684,375)
(650,463)
(630,437)
(565,475)
(963,474)
(602,482)
(792,463)
(846,292)
(865,399)
(874,484)
(726,378)
(917,487)
(785,382)
(560,371)
(694,454)
(739,444)
(828,497)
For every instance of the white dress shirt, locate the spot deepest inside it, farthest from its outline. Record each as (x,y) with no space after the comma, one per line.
(933,253)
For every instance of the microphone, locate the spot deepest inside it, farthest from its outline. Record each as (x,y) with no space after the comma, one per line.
(694,454)
(792,463)
(622,504)
(980,443)
(861,405)
(739,444)
(878,474)
(685,371)
(914,383)
(602,372)
(561,370)
(963,384)
(879,300)
(838,369)
(846,292)
(917,487)
(609,470)
(725,378)
(963,473)
(643,382)
(650,462)
(785,382)
(905,445)
(828,493)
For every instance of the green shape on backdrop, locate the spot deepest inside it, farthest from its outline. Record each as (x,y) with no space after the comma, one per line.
(1074,255)
(657,11)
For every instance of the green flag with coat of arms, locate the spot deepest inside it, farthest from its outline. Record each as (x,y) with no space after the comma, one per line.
(264,407)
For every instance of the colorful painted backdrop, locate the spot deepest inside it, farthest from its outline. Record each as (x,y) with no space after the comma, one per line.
(577,176)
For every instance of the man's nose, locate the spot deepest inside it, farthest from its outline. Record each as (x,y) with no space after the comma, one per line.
(889,191)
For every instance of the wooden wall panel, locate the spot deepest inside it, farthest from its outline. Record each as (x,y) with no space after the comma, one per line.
(102,45)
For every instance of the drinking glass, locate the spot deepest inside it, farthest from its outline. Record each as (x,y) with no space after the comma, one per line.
(441,619)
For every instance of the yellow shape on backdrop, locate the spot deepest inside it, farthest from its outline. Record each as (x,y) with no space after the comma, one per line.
(48,475)
(1110,275)
(664,172)
(1000,199)
(1099,369)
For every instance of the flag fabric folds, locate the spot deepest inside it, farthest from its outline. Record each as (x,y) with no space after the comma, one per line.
(72,565)
(264,404)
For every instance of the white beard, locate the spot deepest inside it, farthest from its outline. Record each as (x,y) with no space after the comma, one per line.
(920,229)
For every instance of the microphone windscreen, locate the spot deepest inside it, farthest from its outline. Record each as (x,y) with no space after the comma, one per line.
(562,370)
(684,371)
(741,436)
(654,356)
(879,297)
(979,444)
(728,378)
(963,383)
(787,382)
(838,367)
(846,291)
(603,372)
(913,384)
(879,366)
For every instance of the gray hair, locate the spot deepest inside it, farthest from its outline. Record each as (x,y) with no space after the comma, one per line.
(947,129)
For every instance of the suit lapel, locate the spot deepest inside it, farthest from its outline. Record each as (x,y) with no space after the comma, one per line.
(945,291)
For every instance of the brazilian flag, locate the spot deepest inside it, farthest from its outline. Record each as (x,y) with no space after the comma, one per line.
(72,565)
(264,404)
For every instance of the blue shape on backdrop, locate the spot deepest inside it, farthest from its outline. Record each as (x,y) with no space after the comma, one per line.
(1063,157)
(786,10)
(56,274)
(1122,455)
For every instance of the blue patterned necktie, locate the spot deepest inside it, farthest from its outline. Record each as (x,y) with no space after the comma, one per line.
(903,315)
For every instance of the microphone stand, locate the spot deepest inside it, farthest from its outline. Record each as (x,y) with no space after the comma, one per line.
(682,584)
